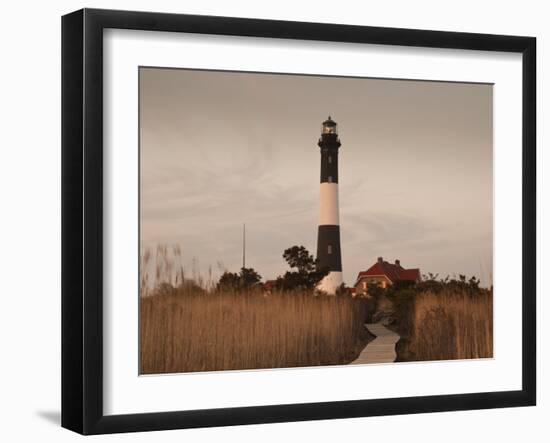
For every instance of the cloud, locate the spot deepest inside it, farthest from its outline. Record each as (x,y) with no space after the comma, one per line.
(222,149)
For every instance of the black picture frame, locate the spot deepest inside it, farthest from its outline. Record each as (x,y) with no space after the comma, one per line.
(82,220)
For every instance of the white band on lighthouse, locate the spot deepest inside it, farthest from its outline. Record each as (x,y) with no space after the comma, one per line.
(331,282)
(328,208)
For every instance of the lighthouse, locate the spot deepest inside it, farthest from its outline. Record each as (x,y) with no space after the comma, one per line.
(328,238)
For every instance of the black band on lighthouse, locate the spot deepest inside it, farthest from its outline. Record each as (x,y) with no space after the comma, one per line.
(328,248)
(329,144)
(329,165)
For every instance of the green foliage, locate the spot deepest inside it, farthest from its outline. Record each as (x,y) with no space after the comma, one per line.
(299,257)
(371,306)
(375,290)
(185,287)
(431,283)
(228,281)
(341,291)
(307,273)
(403,303)
(247,278)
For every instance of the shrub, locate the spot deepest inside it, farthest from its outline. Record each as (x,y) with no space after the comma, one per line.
(245,280)
(307,274)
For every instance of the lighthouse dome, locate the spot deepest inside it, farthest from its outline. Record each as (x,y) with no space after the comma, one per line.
(329,126)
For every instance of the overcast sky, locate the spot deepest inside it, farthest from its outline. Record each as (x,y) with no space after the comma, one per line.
(219,149)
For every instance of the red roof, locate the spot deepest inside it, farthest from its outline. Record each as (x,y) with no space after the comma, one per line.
(410,274)
(394,272)
(269,284)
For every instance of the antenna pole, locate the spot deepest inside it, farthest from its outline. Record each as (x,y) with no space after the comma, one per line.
(244,245)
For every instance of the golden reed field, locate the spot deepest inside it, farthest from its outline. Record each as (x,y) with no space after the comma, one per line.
(190,331)
(186,325)
(449,325)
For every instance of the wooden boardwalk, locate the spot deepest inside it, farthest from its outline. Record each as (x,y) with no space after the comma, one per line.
(381,349)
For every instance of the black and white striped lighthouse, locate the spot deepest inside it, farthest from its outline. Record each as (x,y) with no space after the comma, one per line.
(328,239)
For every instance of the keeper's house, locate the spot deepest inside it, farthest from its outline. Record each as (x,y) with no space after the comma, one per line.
(385,274)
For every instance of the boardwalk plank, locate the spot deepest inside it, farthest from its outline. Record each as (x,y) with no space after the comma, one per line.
(381,349)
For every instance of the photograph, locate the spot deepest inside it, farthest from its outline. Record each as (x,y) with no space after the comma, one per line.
(291,220)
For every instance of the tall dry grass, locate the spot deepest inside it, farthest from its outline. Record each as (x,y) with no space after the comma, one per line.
(164,265)
(450,325)
(188,331)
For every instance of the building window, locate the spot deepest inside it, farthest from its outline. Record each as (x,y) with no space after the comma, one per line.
(330,249)
(330,178)
(330,158)
(364,285)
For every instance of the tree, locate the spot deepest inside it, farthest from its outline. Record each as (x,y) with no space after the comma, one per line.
(228,281)
(249,277)
(299,257)
(307,273)
(246,279)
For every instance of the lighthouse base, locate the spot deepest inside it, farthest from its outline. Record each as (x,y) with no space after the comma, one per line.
(331,282)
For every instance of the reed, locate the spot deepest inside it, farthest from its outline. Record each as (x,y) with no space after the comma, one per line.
(450,325)
(189,330)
